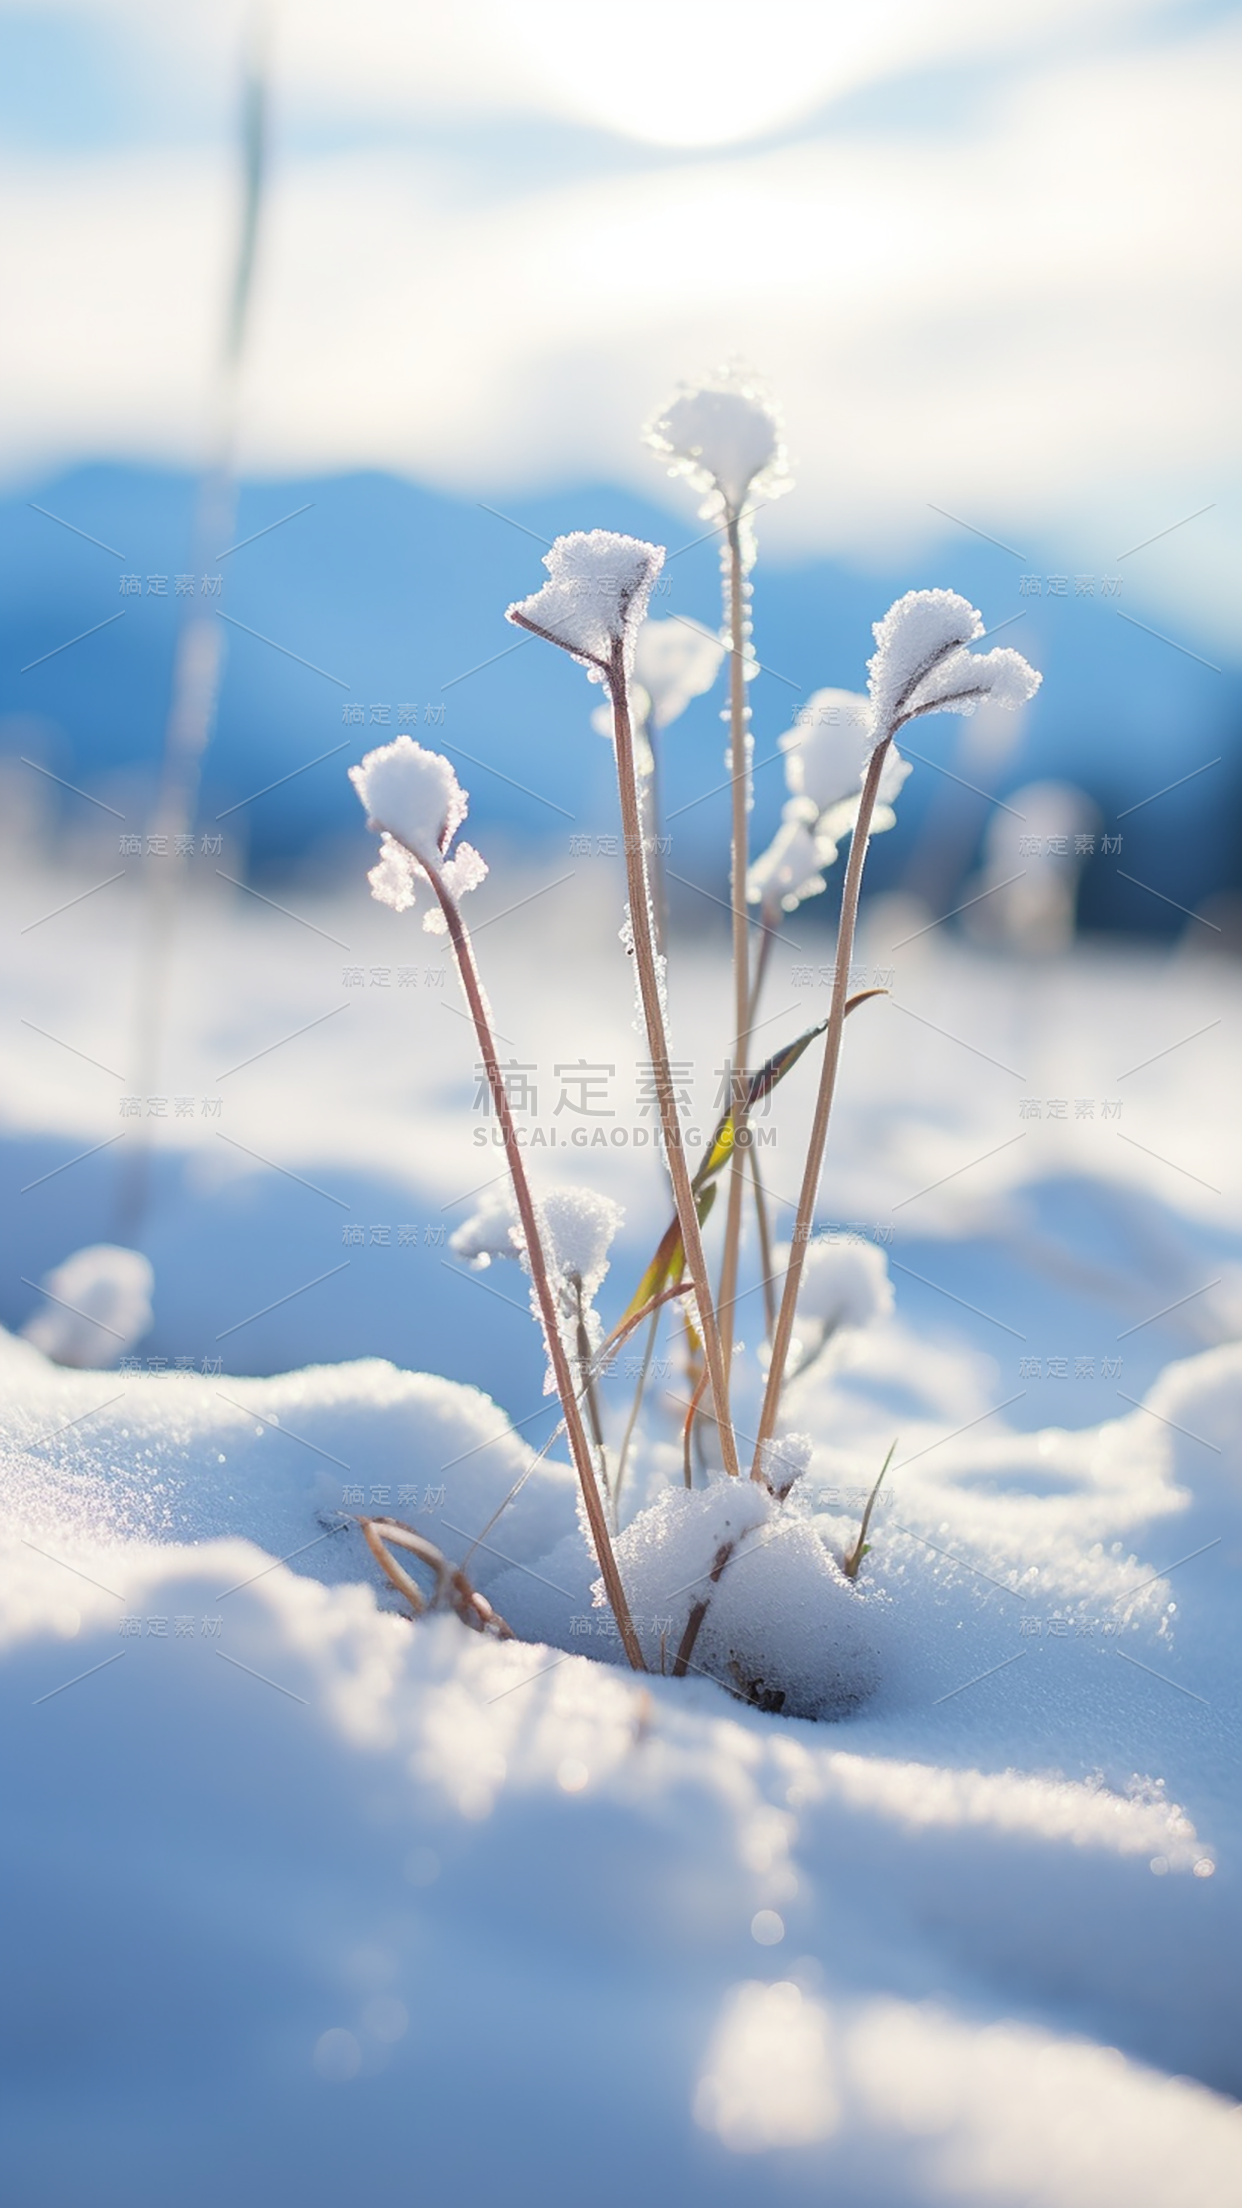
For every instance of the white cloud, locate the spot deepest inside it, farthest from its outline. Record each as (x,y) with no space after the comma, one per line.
(1024,320)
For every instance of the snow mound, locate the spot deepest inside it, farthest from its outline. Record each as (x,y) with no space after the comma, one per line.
(98,1305)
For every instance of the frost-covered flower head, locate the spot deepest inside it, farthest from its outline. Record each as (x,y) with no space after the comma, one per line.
(844,1282)
(724,436)
(790,869)
(826,754)
(921,664)
(595,597)
(674,661)
(414,799)
(576,1227)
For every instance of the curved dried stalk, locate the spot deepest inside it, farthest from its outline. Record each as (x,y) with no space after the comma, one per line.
(657,1043)
(580,1447)
(453,1590)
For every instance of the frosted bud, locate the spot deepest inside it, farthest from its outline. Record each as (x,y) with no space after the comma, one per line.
(789,870)
(844,1282)
(675,661)
(414,799)
(921,664)
(724,436)
(595,597)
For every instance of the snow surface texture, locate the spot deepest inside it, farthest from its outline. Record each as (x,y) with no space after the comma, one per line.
(942,1950)
(595,597)
(983,1928)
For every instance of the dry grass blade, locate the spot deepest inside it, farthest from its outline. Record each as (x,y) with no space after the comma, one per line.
(453,1590)
(851,1561)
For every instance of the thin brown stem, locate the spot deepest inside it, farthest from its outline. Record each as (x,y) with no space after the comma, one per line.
(657,1044)
(823,1104)
(580,1446)
(742,995)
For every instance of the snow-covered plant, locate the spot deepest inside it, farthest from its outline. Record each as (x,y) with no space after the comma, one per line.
(722,1575)
(826,753)
(578,1227)
(674,662)
(592,607)
(413,798)
(922,664)
(98,1304)
(724,436)
(790,870)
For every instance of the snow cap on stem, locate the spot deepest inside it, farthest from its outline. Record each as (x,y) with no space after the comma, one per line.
(414,799)
(576,1227)
(826,754)
(921,664)
(595,597)
(674,661)
(789,870)
(491,1231)
(844,1282)
(724,436)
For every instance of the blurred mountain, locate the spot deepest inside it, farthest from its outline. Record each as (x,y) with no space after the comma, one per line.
(379,604)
